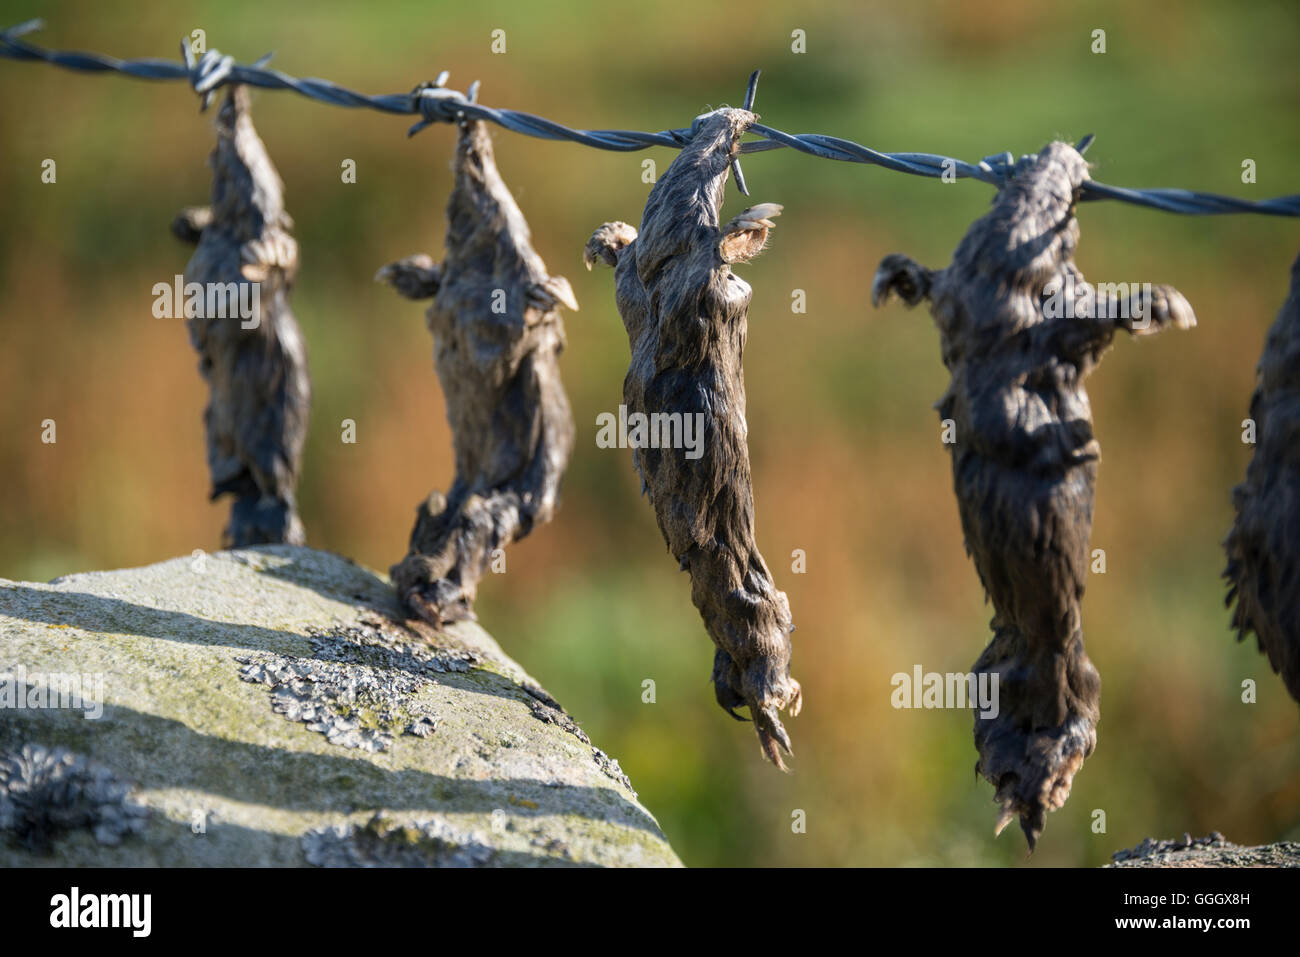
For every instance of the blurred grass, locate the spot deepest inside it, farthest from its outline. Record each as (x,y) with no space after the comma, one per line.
(845,447)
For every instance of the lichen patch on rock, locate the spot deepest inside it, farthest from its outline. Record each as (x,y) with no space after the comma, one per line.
(386,841)
(45,793)
(360,687)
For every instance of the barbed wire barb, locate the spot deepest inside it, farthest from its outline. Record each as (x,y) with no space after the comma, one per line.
(437,103)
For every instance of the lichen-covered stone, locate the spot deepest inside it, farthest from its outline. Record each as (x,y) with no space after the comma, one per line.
(1211,851)
(269,707)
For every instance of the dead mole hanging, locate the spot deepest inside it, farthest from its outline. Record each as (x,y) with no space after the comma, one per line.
(673,274)
(1024,460)
(1263,546)
(256,369)
(495,321)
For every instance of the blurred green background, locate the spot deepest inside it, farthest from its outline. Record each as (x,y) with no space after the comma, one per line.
(848,465)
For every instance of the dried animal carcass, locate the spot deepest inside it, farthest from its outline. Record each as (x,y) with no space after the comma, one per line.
(1264,544)
(685,312)
(497,333)
(1020,330)
(251,352)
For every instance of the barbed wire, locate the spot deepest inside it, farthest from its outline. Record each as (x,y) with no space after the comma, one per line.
(436,103)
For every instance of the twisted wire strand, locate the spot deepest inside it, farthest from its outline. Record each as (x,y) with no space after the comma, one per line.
(436,103)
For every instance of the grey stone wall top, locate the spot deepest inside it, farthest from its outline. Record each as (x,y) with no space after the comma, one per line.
(267,707)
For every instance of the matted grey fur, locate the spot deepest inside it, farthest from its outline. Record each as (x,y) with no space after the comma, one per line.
(685,312)
(1024,460)
(1264,544)
(497,334)
(260,393)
